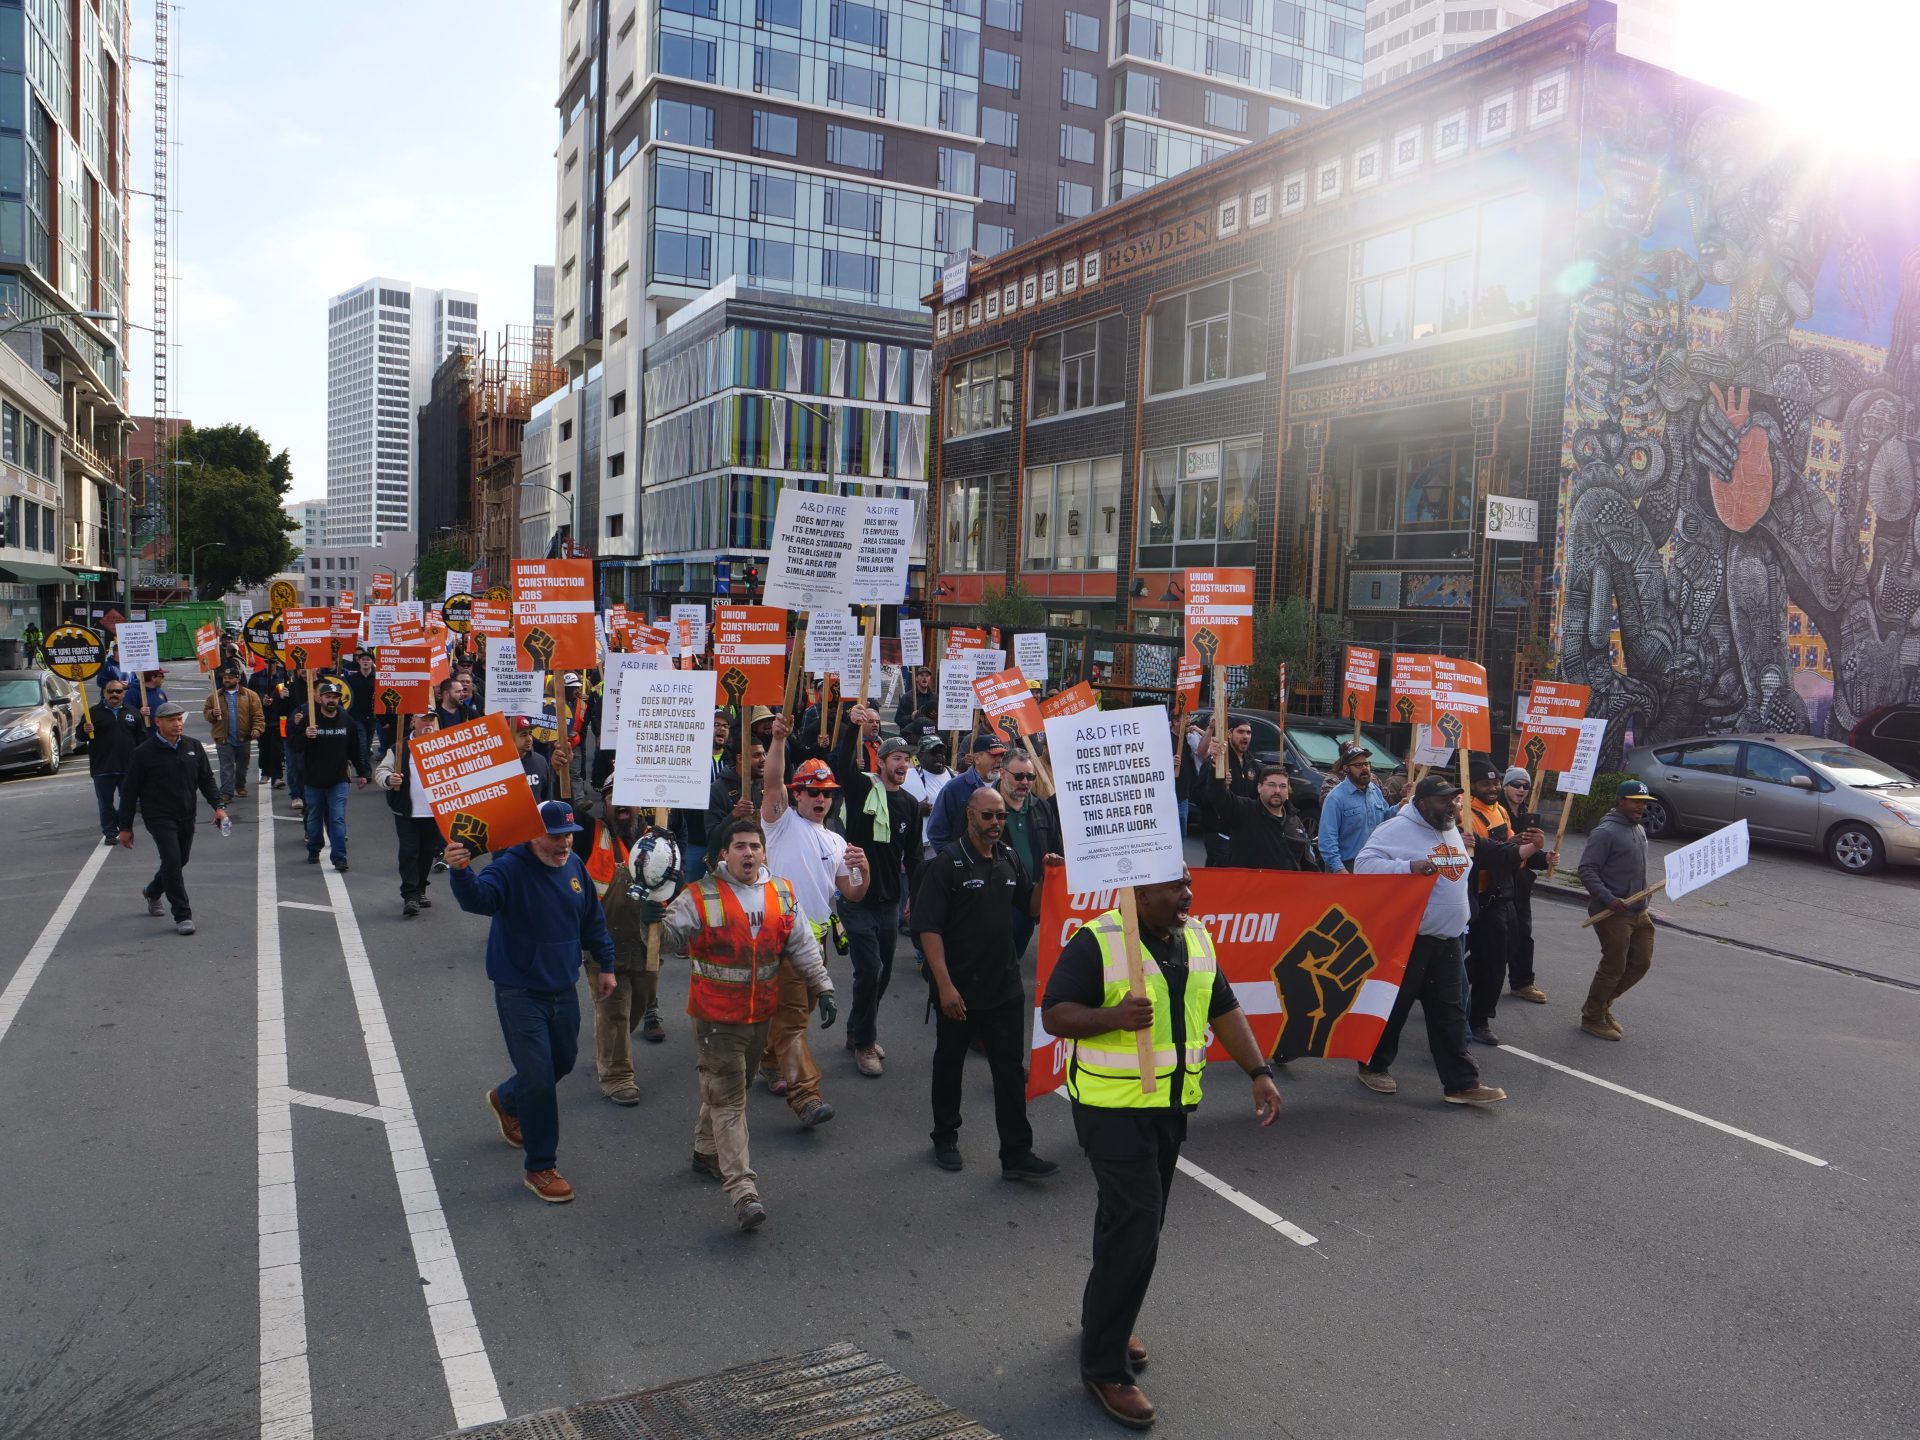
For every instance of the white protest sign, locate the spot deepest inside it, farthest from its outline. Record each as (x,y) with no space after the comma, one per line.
(663,754)
(956,693)
(623,670)
(1434,757)
(414,610)
(1586,759)
(459,582)
(139,645)
(380,620)
(811,567)
(1119,821)
(696,618)
(511,691)
(881,552)
(1706,859)
(1030,656)
(827,632)
(986,662)
(851,659)
(913,645)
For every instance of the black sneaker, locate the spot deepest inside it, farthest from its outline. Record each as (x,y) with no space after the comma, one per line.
(313,857)
(425,904)
(1027,1167)
(410,909)
(341,866)
(947,1157)
(651,1029)
(1483,1035)
(154,907)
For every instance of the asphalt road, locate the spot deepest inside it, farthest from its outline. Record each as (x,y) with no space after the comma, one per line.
(1575,1263)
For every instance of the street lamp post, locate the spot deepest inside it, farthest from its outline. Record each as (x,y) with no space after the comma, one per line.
(563,494)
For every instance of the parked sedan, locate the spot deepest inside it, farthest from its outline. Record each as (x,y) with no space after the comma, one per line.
(1794,790)
(39,713)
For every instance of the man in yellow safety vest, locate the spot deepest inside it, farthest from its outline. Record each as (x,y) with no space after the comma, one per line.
(1131,1135)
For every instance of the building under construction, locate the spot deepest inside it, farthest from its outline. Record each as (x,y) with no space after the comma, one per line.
(507,384)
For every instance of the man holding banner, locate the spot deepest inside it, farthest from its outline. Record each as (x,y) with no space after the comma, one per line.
(1424,839)
(1132,1135)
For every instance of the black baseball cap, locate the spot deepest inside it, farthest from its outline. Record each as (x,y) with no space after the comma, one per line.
(985,742)
(1484,770)
(1434,787)
(1351,752)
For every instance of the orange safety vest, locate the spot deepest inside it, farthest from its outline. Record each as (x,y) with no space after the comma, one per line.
(1486,819)
(736,973)
(607,856)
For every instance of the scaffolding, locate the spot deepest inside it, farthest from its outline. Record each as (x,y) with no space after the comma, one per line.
(507,384)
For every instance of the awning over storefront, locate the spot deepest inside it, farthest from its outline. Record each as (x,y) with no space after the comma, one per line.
(24,572)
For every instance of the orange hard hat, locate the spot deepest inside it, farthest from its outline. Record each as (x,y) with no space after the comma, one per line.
(814,775)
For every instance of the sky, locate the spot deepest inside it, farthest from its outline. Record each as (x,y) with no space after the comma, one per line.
(319,145)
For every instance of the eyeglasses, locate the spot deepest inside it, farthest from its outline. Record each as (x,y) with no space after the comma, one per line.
(817,794)
(1021,779)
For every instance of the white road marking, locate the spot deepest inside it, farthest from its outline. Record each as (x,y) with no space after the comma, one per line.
(1670,1108)
(286,1385)
(456,1332)
(1240,1200)
(305,905)
(347,1107)
(15,995)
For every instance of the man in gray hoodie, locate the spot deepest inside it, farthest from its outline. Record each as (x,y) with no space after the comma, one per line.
(1424,839)
(1613,867)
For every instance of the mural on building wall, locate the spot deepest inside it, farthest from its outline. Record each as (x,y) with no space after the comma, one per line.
(1740,513)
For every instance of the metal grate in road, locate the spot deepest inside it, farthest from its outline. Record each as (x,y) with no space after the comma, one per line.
(838,1392)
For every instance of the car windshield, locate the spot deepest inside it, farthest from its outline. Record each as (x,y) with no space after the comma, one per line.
(17,693)
(1854,767)
(1323,750)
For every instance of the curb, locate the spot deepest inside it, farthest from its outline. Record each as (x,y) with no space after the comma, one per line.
(1567,895)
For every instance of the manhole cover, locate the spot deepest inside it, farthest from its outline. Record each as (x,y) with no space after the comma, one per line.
(836,1391)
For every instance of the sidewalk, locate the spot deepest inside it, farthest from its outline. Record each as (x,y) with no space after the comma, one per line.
(1789,902)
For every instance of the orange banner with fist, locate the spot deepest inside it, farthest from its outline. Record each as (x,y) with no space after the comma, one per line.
(1315,960)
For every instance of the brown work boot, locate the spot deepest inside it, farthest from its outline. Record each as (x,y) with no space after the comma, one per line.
(550,1186)
(1126,1403)
(1136,1352)
(1613,1024)
(1532,993)
(627,1094)
(1378,1081)
(509,1127)
(1599,1029)
(1478,1095)
(867,1061)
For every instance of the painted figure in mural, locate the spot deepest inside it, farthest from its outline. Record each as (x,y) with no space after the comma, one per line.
(1693,518)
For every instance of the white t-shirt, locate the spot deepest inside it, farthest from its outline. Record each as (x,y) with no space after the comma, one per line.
(808,857)
(924,784)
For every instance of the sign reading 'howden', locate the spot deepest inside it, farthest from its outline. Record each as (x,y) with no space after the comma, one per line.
(1159,243)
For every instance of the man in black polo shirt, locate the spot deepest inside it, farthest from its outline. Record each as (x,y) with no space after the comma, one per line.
(963,911)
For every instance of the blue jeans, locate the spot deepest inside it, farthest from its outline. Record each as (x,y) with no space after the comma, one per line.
(542,1030)
(296,772)
(871,934)
(334,799)
(106,790)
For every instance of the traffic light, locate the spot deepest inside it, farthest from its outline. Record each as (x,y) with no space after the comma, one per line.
(753,579)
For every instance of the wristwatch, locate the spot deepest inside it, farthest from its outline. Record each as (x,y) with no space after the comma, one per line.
(1260,1070)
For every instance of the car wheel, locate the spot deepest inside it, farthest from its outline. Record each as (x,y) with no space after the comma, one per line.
(1856,849)
(52,767)
(1658,820)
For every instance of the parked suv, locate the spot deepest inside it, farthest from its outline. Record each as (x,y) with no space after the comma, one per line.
(1890,733)
(1312,750)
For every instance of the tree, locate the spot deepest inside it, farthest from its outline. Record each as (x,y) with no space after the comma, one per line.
(232,489)
(434,564)
(1012,608)
(1290,633)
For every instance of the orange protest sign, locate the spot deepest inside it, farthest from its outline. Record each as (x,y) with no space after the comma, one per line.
(309,642)
(683,641)
(962,637)
(380,590)
(473,779)
(1220,616)
(345,602)
(1075,701)
(206,643)
(493,618)
(1461,719)
(403,677)
(615,622)
(1551,736)
(645,639)
(1008,704)
(1410,701)
(1362,683)
(1186,686)
(1316,964)
(346,632)
(753,640)
(553,615)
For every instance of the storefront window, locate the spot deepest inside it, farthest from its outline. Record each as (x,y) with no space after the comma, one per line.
(973,524)
(1199,505)
(1072,516)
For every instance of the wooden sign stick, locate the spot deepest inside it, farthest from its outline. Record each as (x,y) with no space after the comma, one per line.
(141,680)
(866,656)
(1219,723)
(1042,773)
(797,667)
(1560,832)
(1137,984)
(1638,895)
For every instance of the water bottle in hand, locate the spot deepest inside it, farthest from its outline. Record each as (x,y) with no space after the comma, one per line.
(226,825)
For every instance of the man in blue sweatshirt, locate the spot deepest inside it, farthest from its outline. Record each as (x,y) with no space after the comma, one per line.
(1424,839)
(546,913)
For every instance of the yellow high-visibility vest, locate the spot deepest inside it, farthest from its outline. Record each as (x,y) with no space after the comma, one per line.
(1104,1070)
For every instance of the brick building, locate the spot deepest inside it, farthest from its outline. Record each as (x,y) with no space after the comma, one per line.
(1529,271)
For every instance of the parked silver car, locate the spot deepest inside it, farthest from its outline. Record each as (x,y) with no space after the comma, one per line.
(1790,789)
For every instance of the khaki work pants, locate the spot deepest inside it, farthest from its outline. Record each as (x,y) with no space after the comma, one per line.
(1626,954)
(787,1054)
(614,1021)
(727,1054)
